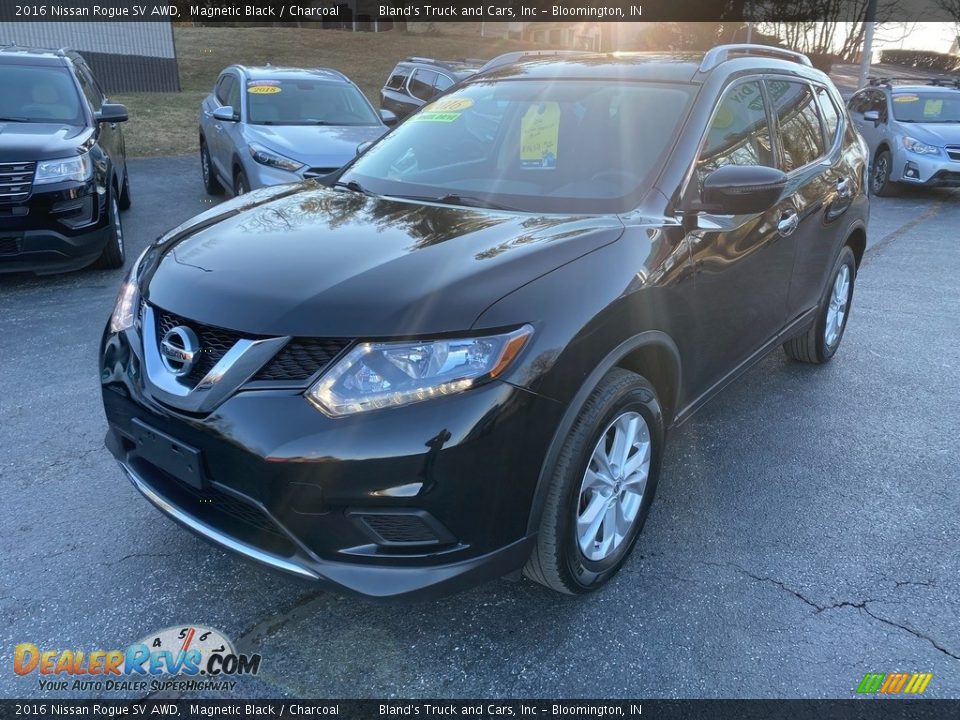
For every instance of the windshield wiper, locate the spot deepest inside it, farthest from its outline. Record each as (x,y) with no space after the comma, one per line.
(352,185)
(15,119)
(457,199)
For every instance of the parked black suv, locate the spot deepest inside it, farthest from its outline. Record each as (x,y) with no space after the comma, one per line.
(462,357)
(417,80)
(63,169)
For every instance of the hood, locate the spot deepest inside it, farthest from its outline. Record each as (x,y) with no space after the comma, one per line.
(40,141)
(327,263)
(939,134)
(315,146)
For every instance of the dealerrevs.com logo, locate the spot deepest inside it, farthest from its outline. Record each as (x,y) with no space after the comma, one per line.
(178,658)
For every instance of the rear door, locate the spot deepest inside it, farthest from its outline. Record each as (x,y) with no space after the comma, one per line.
(818,189)
(742,263)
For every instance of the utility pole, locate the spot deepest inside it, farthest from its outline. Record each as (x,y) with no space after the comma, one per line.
(867,56)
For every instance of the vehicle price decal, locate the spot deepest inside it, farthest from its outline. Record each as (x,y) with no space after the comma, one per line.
(932,108)
(445,111)
(539,136)
(905,98)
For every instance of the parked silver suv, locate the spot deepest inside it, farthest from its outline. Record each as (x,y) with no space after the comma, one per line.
(913,132)
(267,125)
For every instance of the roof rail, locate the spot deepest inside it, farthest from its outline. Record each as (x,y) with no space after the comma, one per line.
(722,53)
(934,82)
(511,57)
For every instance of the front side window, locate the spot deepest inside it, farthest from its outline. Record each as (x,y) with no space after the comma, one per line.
(798,121)
(224,87)
(739,133)
(442,82)
(927,107)
(39,94)
(829,113)
(421,84)
(306,101)
(539,146)
(89,88)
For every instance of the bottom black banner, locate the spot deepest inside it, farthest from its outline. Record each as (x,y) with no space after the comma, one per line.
(867,709)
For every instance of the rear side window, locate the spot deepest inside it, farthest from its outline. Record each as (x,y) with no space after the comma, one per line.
(421,84)
(226,84)
(829,113)
(800,131)
(739,133)
(398,78)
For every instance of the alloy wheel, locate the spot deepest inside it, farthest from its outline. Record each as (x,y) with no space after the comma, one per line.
(880,171)
(837,307)
(612,489)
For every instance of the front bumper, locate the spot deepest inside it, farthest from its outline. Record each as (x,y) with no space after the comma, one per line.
(306,494)
(926,171)
(59,228)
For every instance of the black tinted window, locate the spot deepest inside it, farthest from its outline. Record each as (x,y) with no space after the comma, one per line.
(829,113)
(800,132)
(226,84)
(398,78)
(39,94)
(739,133)
(421,84)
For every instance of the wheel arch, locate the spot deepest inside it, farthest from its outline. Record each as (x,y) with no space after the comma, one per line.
(857,242)
(652,354)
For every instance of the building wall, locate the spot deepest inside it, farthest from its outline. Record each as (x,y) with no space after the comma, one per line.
(125,56)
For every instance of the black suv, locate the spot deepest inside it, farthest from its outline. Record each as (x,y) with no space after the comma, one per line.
(63,169)
(460,356)
(417,80)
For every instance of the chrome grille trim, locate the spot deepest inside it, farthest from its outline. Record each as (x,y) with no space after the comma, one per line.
(16,181)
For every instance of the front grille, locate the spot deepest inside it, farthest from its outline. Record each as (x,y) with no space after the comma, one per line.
(214,341)
(9,246)
(302,358)
(399,529)
(953,151)
(236,509)
(16,181)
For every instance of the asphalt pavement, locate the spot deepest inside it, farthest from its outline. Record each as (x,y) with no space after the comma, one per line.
(804,533)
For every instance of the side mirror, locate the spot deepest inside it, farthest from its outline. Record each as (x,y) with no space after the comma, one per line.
(225,113)
(363,147)
(872,116)
(389,118)
(112,113)
(742,189)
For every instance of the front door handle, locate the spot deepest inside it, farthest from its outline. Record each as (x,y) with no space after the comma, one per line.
(844,188)
(788,223)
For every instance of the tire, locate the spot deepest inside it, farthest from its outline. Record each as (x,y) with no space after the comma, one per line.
(210,181)
(113,254)
(558,560)
(880,182)
(241,186)
(125,200)
(819,344)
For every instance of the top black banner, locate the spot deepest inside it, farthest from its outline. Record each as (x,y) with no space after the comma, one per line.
(539,11)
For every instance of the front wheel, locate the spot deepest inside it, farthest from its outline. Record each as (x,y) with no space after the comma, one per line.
(241,186)
(821,341)
(113,253)
(601,488)
(210,182)
(880,175)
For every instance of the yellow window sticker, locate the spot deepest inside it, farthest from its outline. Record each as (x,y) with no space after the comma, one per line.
(540,135)
(263,89)
(448,105)
(932,108)
(906,98)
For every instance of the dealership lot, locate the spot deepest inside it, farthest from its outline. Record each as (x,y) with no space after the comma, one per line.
(804,531)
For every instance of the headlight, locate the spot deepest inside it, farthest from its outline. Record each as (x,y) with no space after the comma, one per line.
(125,308)
(381,375)
(272,159)
(79,168)
(920,148)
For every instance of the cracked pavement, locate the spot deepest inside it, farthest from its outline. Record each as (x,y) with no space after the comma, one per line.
(804,533)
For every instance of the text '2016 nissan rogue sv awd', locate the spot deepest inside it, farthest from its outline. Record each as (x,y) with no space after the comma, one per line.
(459,357)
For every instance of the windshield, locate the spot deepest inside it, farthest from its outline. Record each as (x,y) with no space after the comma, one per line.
(927,107)
(538,146)
(306,101)
(39,94)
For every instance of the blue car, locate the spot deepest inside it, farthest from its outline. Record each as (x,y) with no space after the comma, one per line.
(267,125)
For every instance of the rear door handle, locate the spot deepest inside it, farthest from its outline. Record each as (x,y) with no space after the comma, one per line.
(844,188)
(788,223)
